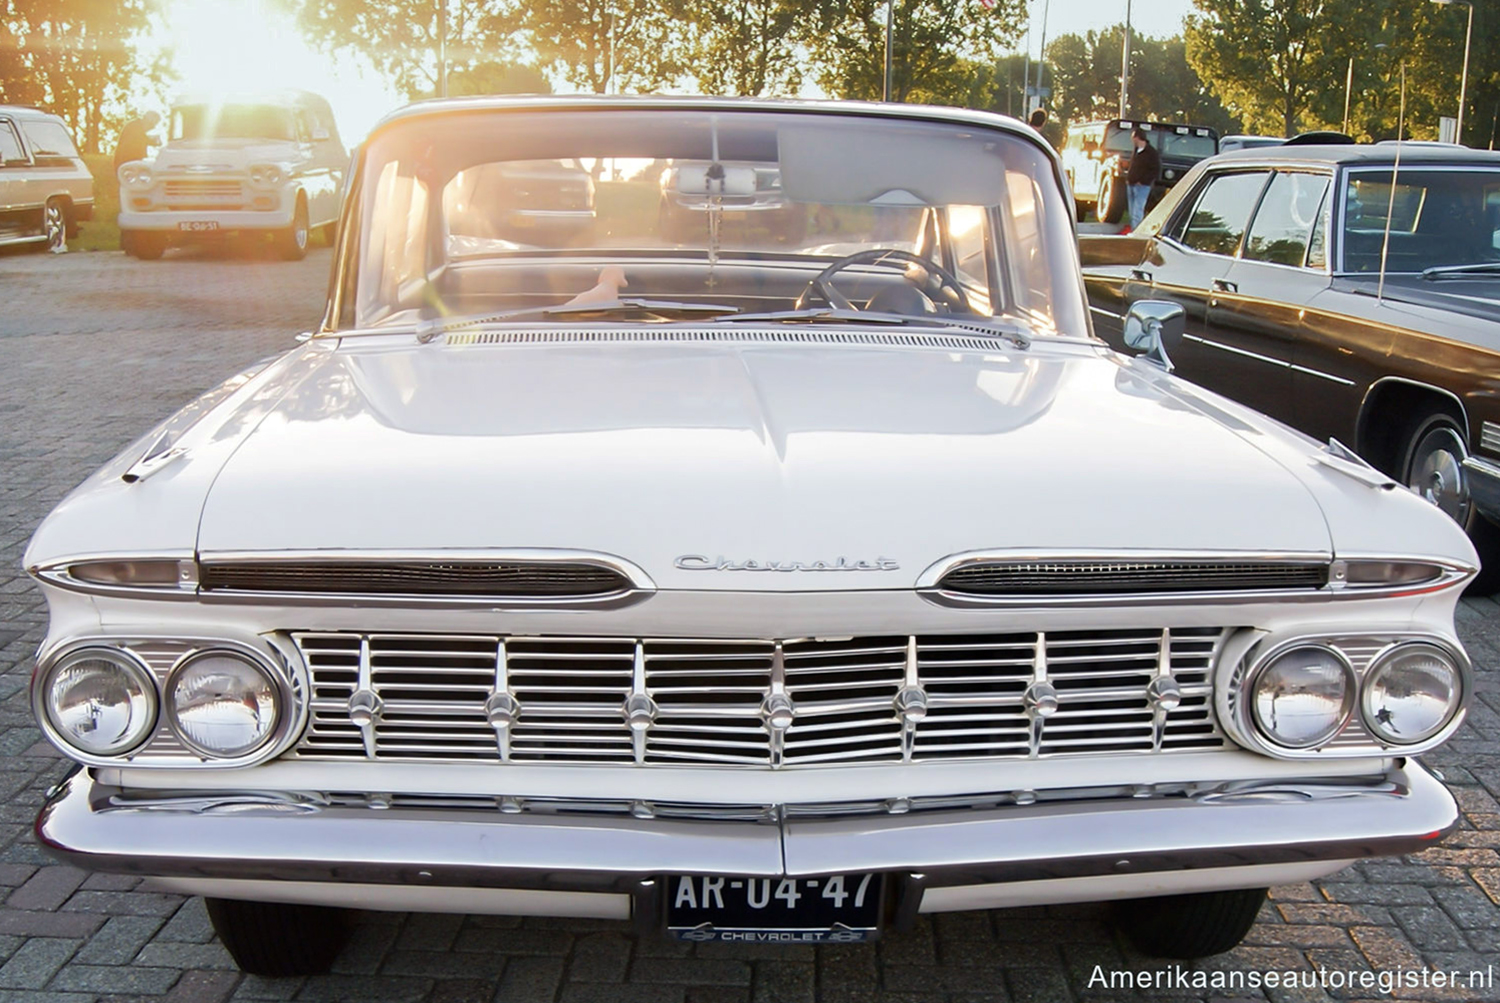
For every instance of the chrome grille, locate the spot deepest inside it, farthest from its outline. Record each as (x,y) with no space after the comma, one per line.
(893,698)
(1489,437)
(486,579)
(1033,578)
(183,193)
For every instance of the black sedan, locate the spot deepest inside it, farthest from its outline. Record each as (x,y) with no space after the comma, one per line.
(1349,291)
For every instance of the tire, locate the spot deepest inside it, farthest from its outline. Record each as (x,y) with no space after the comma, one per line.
(1111,205)
(143,244)
(291,243)
(277,940)
(1432,465)
(55,225)
(1189,926)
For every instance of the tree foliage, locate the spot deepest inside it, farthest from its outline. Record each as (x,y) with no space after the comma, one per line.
(1085,70)
(931,39)
(749,47)
(77,58)
(603,46)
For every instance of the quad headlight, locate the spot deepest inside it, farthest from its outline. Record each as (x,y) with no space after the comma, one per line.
(136,175)
(1303,696)
(1411,692)
(99,701)
(221,703)
(265,175)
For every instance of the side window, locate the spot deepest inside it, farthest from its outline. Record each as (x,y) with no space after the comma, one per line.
(1219,217)
(966,231)
(10,145)
(49,139)
(1317,247)
(304,127)
(1284,222)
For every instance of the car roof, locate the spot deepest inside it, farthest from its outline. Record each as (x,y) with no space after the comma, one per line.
(574,102)
(1360,154)
(25,111)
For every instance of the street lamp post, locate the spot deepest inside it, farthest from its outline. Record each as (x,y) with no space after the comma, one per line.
(1463,87)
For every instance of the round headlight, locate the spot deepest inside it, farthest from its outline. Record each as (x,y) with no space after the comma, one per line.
(1411,693)
(265,174)
(137,177)
(221,704)
(100,701)
(1303,696)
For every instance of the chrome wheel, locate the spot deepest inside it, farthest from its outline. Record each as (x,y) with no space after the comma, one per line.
(1435,469)
(55,226)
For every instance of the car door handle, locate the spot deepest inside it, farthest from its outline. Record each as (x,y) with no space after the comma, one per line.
(1225,286)
(1140,275)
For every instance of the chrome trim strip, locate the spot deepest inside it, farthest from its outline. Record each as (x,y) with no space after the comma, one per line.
(1107,313)
(1237,351)
(1322,375)
(90,825)
(1489,436)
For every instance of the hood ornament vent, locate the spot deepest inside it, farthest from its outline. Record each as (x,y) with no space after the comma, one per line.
(1007,578)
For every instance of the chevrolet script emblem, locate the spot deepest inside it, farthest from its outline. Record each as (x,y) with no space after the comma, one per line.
(700,562)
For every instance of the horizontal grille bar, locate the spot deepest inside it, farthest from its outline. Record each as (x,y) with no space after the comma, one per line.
(420,578)
(757,703)
(1034,578)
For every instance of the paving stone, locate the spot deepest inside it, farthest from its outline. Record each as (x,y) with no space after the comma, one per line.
(785,982)
(47,889)
(203,987)
(49,924)
(118,941)
(188,924)
(535,980)
(600,957)
(35,962)
(135,979)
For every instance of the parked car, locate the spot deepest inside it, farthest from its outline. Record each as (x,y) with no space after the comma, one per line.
(754,593)
(1320,296)
(46,190)
(1096,156)
(262,165)
(745,195)
(1229,144)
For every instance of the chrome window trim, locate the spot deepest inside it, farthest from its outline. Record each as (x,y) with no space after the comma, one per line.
(1451,574)
(278,661)
(1244,659)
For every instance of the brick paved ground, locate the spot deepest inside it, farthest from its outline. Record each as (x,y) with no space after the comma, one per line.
(95,347)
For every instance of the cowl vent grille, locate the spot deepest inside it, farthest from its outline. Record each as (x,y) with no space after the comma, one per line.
(476,579)
(1075,578)
(737,336)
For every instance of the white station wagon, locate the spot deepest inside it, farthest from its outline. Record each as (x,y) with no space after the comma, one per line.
(778,584)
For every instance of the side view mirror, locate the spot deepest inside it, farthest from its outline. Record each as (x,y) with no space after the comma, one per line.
(1155,328)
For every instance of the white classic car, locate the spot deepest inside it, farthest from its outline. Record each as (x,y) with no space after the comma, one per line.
(753,591)
(271,164)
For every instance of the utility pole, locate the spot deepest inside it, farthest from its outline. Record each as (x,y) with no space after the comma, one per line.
(1041,56)
(1125,66)
(1348,90)
(890,13)
(1026,68)
(442,20)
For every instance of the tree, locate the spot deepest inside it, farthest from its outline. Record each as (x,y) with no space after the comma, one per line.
(610,45)
(930,40)
(748,47)
(75,57)
(401,38)
(498,78)
(1270,59)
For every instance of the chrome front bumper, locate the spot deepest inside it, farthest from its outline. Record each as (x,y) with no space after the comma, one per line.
(257,836)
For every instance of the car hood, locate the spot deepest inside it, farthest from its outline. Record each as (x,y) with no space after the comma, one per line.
(226,152)
(763,452)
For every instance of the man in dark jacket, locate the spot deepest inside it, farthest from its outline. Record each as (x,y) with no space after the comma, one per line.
(136,139)
(1145,168)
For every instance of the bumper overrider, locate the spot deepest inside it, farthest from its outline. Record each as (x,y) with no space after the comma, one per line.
(331,850)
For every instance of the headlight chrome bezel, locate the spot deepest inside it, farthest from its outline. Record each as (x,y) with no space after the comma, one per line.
(130,663)
(1243,664)
(169,709)
(1348,705)
(271,654)
(266,175)
(1381,663)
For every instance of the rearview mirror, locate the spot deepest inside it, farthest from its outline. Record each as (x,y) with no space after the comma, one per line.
(701,179)
(1155,328)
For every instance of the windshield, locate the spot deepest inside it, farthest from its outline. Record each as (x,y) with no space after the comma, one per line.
(1439,218)
(232,121)
(491,212)
(1185,142)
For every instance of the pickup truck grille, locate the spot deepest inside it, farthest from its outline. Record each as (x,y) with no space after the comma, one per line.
(767,704)
(192,193)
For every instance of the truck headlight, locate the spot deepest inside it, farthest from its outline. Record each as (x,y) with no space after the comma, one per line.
(136,175)
(265,175)
(1303,696)
(221,703)
(1411,692)
(100,701)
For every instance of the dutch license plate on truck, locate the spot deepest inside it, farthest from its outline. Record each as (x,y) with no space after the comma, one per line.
(838,908)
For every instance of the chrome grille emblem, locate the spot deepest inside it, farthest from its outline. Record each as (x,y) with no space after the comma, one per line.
(911,704)
(502,710)
(639,711)
(1164,693)
(777,712)
(1041,699)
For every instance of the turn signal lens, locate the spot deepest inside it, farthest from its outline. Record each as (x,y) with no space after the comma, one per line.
(1303,696)
(1411,693)
(222,704)
(147,574)
(1389,572)
(100,701)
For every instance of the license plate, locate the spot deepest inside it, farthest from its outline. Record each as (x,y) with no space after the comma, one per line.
(840,908)
(198,225)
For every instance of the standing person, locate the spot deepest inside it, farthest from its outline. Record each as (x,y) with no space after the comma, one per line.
(1039,119)
(1145,168)
(136,139)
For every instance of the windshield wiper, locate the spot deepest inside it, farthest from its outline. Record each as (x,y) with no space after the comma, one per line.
(833,315)
(626,307)
(1477,268)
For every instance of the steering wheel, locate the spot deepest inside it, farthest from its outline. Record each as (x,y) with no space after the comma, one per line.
(938,284)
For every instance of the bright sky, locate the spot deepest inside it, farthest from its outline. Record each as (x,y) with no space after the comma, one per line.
(250,45)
